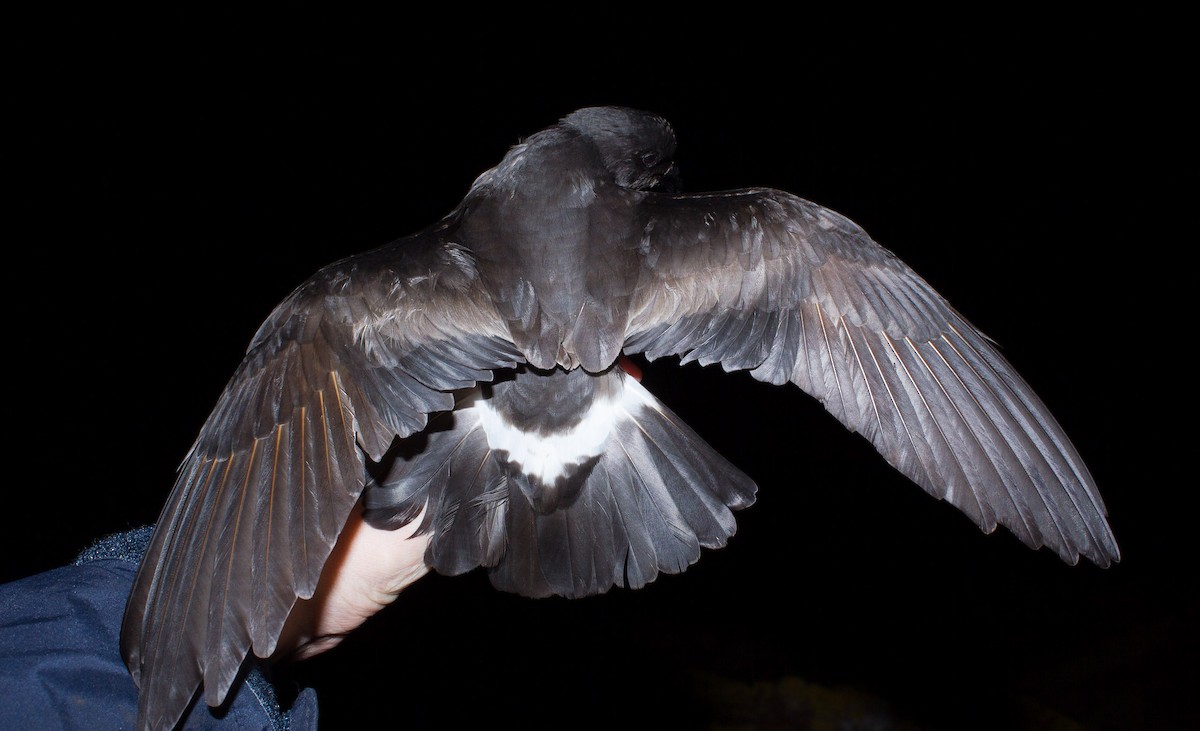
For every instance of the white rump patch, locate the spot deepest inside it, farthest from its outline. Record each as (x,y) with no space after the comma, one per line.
(547,456)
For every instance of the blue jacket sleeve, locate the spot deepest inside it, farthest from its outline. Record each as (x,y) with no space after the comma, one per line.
(60,663)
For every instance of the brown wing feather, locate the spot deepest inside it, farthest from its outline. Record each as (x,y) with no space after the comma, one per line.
(764,281)
(359,354)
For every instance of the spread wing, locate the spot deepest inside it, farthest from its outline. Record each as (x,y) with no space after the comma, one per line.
(765,281)
(359,354)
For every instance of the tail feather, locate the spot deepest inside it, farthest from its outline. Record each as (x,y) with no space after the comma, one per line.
(656,495)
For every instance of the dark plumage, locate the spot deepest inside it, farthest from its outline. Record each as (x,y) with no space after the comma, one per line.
(490,340)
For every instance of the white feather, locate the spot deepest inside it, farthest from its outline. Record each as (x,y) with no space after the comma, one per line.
(547,456)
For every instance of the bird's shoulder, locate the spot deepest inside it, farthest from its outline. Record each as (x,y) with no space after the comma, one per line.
(409,272)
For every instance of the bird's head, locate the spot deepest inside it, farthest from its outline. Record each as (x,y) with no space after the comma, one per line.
(636,146)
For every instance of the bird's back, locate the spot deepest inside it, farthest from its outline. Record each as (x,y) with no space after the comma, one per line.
(557,253)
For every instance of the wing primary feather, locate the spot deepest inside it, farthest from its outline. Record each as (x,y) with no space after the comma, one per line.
(890,439)
(228,642)
(327,461)
(1015,388)
(883,432)
(1014,442)
(271,580)
(302,493)
(999,454)
(977,466)
(844,412)
(271,495)
(754,279)
(1036,432)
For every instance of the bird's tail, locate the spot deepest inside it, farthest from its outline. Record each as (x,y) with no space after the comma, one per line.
(651,495)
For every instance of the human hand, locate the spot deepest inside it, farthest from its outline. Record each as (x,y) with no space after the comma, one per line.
(367,570)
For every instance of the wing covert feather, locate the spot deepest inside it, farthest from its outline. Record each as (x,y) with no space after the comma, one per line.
(764,281)
(359,354)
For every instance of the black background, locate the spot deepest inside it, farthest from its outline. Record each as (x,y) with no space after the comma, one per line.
(170,187)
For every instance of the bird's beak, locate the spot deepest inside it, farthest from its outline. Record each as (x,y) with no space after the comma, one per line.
(670,181)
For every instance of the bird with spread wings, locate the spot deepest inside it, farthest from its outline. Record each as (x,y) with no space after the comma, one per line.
(467,377)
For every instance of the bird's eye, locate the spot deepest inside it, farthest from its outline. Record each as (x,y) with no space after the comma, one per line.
(650,158)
